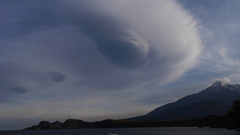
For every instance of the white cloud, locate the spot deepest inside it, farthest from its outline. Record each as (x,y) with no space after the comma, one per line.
(108,48)
(226,80)
(92,49)
(164,38)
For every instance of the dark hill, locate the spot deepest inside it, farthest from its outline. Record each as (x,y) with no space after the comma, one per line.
(193,110)
(215,99)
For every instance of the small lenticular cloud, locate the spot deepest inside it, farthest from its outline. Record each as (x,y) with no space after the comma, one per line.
(19,90)
(57,77)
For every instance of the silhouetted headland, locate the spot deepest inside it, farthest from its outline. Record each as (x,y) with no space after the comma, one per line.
(208,108)
(230,121)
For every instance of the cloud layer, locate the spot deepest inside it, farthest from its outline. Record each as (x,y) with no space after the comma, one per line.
(122,46)
(75,50)
(151,52)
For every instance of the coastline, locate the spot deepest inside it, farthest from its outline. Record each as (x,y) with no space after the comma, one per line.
(230,121)
(213,121)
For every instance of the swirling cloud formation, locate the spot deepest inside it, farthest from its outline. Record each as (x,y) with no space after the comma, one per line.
(112,45)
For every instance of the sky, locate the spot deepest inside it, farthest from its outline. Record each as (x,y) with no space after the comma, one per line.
(94,60)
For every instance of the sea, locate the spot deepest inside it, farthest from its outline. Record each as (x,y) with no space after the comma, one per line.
(128,131)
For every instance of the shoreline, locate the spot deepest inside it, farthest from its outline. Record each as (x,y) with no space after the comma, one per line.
(212,121)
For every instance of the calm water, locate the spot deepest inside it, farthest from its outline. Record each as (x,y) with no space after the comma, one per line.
(128,131)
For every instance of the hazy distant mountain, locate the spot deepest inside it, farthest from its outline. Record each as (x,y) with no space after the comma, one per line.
(216,99)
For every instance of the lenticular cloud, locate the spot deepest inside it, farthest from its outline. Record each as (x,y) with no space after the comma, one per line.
(93,45)
(153,42)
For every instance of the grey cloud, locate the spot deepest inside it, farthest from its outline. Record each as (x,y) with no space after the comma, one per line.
(19,90)
(150,52)
(20,79)
(25,17)
(57,77)
(120,51)
(119,44)
(112,46)
(101,48)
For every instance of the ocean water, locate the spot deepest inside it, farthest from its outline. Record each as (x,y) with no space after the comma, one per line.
(128,131)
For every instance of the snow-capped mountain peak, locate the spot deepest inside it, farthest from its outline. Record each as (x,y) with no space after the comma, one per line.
(218,85)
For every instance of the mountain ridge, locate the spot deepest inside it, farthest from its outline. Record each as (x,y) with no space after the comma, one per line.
(220,92)
(185,112)
(230,121)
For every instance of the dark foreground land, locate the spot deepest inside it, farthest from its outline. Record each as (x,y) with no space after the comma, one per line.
(210,121)
(230,121)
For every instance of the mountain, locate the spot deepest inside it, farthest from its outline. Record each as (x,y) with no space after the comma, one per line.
(194,110)
(230,121)
(216,99)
